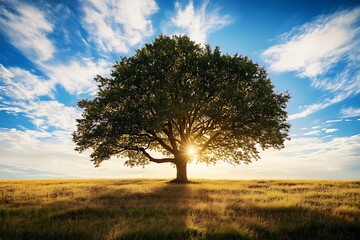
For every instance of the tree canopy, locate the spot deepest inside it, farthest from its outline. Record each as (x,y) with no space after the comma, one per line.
(174,99)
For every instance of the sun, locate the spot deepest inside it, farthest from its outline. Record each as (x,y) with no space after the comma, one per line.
(191,151)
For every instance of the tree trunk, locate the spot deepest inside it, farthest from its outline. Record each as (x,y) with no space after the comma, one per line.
(181,174)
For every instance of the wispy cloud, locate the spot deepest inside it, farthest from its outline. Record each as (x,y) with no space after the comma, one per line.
(314,132)
(197,23)
(45,114)
(77,76)
(312,108)
(20,84)
(330,130)
(309,158)
(27,28)
(118,25)
(24,90)
(333,121)
(46,152)
(40,154)
(316,158)
(350,112)
(314,49)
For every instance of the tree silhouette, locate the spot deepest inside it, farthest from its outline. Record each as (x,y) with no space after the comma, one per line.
(174,100)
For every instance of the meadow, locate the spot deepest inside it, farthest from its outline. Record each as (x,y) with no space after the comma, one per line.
(155,209)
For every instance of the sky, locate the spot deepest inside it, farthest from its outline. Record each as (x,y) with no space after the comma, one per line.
(50,51)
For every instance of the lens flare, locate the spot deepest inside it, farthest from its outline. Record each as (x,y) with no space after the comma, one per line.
(191,151)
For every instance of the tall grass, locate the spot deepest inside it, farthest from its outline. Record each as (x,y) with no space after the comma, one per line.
(154,209)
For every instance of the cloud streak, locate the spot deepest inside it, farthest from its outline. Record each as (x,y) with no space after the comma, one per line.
(350,112)
(39,154)
(77,76)
(118,25)
(312,108)
(27,28)
(197,23)
(20,84)
(331,130)
(45,114)
(311,158)
(25,151)
(315,49)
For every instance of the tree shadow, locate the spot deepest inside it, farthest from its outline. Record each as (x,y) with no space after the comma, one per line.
(110,213)
(171,211)
(294,222)
(165,210)
(125,213)
(163,213)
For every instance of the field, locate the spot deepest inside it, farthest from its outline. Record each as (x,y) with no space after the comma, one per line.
(155,209)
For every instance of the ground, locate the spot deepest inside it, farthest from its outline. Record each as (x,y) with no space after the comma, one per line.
(156,209)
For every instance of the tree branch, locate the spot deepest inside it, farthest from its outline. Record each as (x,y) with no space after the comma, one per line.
(206,145)
(201,129)
(156,160)
(162,143)
(170,134)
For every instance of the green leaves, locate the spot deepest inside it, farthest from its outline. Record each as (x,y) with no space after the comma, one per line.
(173,93)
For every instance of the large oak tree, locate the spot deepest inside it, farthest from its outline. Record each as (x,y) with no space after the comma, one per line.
(174,99)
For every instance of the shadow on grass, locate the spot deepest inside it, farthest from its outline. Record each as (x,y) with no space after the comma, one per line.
(114,214)
(295,223)
(173,205)
(172,211)
(167,209)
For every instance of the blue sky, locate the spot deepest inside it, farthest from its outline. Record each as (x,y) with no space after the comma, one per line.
(51,50)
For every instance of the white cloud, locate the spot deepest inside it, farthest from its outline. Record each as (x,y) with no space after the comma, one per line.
(40,154)
(77,76)
(314,132)
(20,84)
(339,87)
(315,154)
(27,27)
(196,23)
(118,25)
(334,121)
(312,108)
(24,89)
(350,112)
(330,130)
(346,80)
(302,158)
(52,154)
(314,47)
(45,114)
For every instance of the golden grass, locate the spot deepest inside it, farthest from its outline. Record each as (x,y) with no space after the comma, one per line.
(154,209)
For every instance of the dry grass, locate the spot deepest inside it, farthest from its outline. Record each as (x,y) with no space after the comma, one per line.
(154,209)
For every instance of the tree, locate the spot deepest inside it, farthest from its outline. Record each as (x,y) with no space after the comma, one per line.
(174,100)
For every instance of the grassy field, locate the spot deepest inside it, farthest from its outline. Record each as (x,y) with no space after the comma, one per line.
(155,209)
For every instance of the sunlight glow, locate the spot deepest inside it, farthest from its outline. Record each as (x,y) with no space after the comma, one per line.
(191,151)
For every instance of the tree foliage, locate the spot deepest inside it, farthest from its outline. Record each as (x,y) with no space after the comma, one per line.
(174,94)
